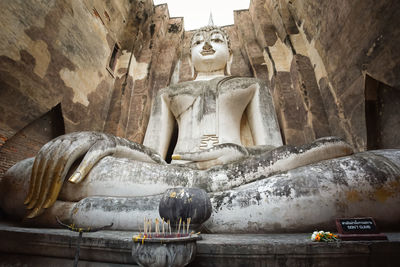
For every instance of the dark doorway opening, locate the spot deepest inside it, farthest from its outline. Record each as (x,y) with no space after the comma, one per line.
(382,114)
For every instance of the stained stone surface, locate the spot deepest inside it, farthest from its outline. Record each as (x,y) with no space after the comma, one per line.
(20,245)
(332,36)
(258,199)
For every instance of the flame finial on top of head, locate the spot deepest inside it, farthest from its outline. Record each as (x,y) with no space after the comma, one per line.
(210,20)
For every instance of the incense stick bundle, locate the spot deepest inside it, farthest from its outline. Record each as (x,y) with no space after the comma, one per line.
(179,226)
(188,223)
(149,222)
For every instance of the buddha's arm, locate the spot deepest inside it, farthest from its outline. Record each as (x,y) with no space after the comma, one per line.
(160,126)
(55,159)
(262,118)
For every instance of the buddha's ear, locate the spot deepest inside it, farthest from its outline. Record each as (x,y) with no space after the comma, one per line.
(229,63)
(191,66)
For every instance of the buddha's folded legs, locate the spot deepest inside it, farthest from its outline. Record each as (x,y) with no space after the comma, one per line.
(123,177)
(302,199)
(265,200)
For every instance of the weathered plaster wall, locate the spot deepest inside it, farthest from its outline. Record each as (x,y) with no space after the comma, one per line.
(356,38)
(264,32)
(160,52)
(55,52)
(317,56)
(130,67)
(344,41)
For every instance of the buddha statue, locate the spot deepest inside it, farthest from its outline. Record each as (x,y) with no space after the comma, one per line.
(228,144)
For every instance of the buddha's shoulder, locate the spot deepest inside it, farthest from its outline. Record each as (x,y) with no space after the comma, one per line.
(192,88)
(241,81)
(184,85)
(238,83)
(224,83)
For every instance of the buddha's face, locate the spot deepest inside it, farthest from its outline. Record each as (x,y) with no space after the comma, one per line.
(210,51)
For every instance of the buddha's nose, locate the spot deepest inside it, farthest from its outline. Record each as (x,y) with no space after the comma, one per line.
(207,46)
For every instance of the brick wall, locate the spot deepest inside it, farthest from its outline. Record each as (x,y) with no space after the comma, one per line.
(27,142)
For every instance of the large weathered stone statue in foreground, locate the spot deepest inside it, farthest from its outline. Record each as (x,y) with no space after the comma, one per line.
(229,144)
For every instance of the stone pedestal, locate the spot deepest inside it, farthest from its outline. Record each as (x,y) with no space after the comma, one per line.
(56,247)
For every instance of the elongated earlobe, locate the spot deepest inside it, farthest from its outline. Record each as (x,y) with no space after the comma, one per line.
(228,64)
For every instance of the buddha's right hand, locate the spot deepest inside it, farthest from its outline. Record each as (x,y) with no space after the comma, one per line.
(55,158)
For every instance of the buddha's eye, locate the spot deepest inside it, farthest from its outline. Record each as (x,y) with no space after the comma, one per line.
(217,40)
(197,42)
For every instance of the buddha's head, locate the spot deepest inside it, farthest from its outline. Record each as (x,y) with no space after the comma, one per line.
(210,50)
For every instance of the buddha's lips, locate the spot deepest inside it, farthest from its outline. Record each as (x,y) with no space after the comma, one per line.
(207,52)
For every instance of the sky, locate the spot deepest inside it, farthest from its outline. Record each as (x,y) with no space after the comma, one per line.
(197,12)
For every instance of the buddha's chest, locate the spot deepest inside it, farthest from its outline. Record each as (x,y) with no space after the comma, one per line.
(201,104)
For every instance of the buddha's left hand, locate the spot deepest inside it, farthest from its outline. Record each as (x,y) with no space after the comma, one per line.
(217,155)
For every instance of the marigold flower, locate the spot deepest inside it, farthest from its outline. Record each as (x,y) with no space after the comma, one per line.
(318,236)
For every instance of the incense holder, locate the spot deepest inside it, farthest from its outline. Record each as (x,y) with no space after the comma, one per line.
(174,251)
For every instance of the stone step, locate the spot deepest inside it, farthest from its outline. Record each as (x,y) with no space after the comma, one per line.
(23,246)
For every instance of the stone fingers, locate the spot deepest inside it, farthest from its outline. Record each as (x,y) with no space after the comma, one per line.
(32,181)
(45,180)
(204,165)
(45,159)
(116,146)
(99,150)
(79,147)
(335,147)
(216,155)
(62,169)
(56,158)
(205,155)
(213,153)
(137,151)
(35,169)
(320,149)
(54,161)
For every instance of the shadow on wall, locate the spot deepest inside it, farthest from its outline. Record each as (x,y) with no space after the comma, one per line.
(27,142)
(382,104)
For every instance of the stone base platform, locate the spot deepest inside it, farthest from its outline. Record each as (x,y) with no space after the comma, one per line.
(21,246)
